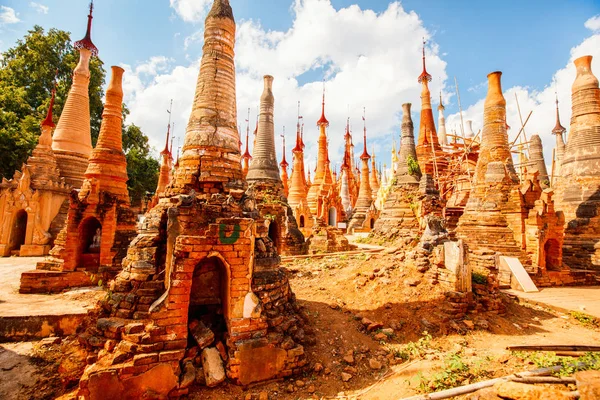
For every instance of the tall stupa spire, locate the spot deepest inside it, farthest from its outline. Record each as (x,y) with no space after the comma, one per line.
(284,166)
(323,121)
(211,152)
(442,123)
(246,157)
(320,186)
(428,143)
(108,165)
(264,159)
(558,131)
(72,140)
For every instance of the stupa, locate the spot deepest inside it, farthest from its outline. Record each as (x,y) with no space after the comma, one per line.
(579,185)
(202,272)
(100,223)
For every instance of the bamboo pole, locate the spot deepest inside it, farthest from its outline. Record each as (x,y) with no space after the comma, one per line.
(459,391)
(522,130)
(560,347)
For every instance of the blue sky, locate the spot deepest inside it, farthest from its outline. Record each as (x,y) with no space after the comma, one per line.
(528,40)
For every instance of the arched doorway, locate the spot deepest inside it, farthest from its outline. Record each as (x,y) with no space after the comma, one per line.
(274,234)
(332,216)
(372,224)
(552,255)
(302,221)
(90,239)
(209,298)
(18,231)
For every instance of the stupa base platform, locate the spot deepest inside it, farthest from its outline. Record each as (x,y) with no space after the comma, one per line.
(37,316)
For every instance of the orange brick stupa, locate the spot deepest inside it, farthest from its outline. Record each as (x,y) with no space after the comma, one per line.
(323,199)
(364,214)
(579,184)
(284,166)
(299,185)
(202,273)
(267,186)
(100,224)
(429,152)
(166,170)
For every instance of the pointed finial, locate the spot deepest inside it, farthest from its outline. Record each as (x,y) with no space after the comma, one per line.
(284,163)
(558,128)
(424,75)
(365,155)
(86,42)
(48,121)
(441,106)
(323,120)
(172,138)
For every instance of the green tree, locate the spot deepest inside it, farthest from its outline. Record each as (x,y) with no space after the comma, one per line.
(27,73)
(142,168)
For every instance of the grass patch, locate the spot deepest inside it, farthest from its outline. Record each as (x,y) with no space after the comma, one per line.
(456,372)
(569,365)
(585,319)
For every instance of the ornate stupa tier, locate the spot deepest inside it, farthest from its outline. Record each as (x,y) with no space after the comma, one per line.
(108,165)
(42,163)
(264,160)
(211,153)
(72,140)
(536,158)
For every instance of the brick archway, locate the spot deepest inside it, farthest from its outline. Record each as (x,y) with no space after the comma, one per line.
(210,295)
(88,256)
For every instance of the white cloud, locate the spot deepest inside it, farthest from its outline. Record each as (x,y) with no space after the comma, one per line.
(541,102)
(8,16)
(369,59)
(190,10)
(40,8)
(593,23)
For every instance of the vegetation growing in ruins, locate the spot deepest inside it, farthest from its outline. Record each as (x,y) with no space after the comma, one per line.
(478,278)
(413,166)
(456,372)
(569,365)
(585,319)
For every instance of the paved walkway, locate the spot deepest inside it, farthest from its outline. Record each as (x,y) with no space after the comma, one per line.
(14,304)
(581,299)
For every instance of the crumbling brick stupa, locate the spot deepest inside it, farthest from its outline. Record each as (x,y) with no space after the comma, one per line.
(579,183)
(505,217)
(202,276)
(399,212)
(100,223)
(265,183)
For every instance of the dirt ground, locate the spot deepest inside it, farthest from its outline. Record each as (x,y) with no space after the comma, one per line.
(345,297)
